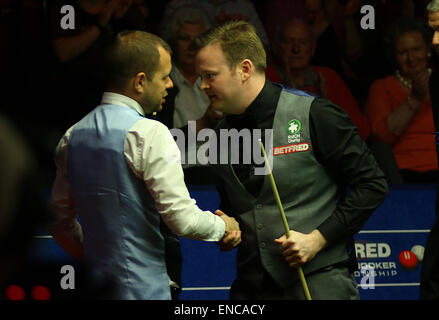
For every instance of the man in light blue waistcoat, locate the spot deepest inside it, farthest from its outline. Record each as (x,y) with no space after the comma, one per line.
(120,173)
(317,153)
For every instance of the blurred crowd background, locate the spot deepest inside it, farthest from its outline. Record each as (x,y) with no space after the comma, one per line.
(50,77)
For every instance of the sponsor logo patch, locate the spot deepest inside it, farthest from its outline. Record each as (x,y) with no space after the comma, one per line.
(292,148)
(294,126)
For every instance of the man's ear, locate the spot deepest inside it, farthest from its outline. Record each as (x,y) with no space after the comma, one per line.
(140,82)
(246,68)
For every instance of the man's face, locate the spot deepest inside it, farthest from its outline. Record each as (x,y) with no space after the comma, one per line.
(433,21)
(155,89)
(296,47)
(221,84)
(186,52)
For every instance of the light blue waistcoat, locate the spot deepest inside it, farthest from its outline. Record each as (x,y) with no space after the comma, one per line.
(122,239)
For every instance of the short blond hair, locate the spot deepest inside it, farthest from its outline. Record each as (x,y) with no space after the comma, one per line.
(239,41)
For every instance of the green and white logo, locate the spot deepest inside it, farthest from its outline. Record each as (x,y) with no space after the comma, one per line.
(294,126)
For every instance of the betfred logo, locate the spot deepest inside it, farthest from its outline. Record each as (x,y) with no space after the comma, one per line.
(298,147)
(372,250)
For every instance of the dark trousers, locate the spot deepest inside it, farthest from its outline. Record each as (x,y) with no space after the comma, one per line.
(330,283)
(430,266)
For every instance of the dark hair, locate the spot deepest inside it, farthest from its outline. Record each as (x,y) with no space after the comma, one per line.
(239,41)
(402,26)
(132,52)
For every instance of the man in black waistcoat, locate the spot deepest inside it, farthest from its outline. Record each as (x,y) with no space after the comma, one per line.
(316,153)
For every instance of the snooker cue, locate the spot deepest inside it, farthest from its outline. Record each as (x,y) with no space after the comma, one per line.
(284,220)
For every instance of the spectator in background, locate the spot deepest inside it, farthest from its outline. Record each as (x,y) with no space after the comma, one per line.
(186,101)
(399,108)
(294,48)
(320,14)
(362,48)
(220,11)
(138,16)
(79,83)
(277,12)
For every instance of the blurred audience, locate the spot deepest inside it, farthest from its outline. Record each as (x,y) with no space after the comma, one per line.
(294,48)
(138,16)
(399,108)
(186,101)
(363,47)
(405,8)
(320,14)
(220,11)
(79,83)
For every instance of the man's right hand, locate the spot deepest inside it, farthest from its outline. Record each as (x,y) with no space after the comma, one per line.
(232,235)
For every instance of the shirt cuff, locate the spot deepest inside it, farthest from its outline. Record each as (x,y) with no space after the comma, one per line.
(332,229)
(221,229)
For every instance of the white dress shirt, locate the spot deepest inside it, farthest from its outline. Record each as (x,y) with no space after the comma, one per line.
(154,157)
(191,102)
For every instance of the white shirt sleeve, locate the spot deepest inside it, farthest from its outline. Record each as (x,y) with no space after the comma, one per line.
(154,157)
(64,210)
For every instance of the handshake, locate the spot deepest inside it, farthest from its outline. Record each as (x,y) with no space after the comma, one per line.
(232,235)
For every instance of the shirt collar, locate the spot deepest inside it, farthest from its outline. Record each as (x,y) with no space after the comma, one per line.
(179,78)
(119,99)
(176,75)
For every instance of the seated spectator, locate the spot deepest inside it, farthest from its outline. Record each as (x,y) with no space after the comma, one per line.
(293,49)
(399,108)
(220,11)
(320,14)
(186,101)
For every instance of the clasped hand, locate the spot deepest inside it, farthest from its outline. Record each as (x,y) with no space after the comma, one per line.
(420,89)
(299,248)
(232,235)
